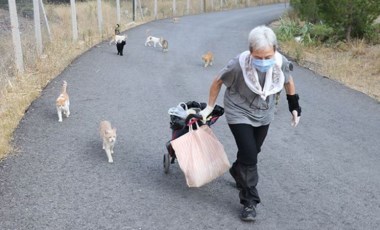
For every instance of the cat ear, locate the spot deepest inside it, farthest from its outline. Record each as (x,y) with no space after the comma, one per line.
(114,129)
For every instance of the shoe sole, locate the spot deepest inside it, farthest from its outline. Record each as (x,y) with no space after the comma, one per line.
(248,219)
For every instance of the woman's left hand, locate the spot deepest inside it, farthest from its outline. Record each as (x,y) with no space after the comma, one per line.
(295,118)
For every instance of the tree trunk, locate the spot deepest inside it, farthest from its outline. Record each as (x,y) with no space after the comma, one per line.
(348,33)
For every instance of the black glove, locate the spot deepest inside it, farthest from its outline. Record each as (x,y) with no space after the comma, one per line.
(293,103)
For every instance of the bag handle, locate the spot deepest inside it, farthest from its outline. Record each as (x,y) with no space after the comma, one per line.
(183,103)
(191,119)
(191,129)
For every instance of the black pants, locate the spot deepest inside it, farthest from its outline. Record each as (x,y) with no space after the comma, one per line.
(248,140)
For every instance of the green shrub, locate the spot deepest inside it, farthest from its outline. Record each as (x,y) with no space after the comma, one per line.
(348,18)
(287,30)
(372,34)
(321,32)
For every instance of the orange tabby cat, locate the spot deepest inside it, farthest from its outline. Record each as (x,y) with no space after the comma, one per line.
(108,135)
(63,103)
(208,58)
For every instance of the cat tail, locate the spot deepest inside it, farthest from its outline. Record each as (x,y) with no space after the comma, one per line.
(64,86)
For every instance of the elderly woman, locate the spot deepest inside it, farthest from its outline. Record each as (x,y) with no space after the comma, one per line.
(252,79)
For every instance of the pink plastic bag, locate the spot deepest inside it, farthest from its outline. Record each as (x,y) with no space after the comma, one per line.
(200,156)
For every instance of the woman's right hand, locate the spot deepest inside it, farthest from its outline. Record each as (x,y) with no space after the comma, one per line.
(205,112)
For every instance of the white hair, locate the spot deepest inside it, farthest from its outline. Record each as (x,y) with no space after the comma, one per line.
(262,37)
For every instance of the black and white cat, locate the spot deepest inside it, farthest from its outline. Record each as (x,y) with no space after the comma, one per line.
(120,47)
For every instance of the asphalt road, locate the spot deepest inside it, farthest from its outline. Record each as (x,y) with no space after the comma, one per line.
(324,174)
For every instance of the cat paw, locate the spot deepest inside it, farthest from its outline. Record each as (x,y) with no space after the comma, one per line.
(110,161)
(59,120)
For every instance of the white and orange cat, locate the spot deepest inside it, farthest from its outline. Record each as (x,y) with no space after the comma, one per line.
(63,103)
(108,135)
(208,58)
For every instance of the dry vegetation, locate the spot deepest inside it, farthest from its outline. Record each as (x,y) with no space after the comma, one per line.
(356,65)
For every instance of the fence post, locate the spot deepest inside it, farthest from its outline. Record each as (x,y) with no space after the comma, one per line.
(118,11)
(74,24)
(16,36)
(155,9)
(188,7)
(37,26)
(46,20)
(100,17)
(174,8)
(141,12)
(133,10)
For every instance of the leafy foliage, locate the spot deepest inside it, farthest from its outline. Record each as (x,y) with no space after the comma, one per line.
(348,18)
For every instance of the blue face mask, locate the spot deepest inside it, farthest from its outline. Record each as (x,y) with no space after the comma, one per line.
(263,65)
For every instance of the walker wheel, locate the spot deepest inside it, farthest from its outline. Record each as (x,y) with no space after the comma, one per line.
(166,163)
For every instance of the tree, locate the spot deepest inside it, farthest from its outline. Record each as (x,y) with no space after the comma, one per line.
(308,9)
(352,16)
(349,18)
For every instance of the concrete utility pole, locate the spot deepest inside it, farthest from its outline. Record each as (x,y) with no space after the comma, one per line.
(188,7)
(74,24)
(100,16)
(118,11)
(16,36)
(37,26)
(155,9)
(174,8)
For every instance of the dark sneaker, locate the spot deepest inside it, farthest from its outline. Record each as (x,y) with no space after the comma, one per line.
(233,174)
(248,213)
